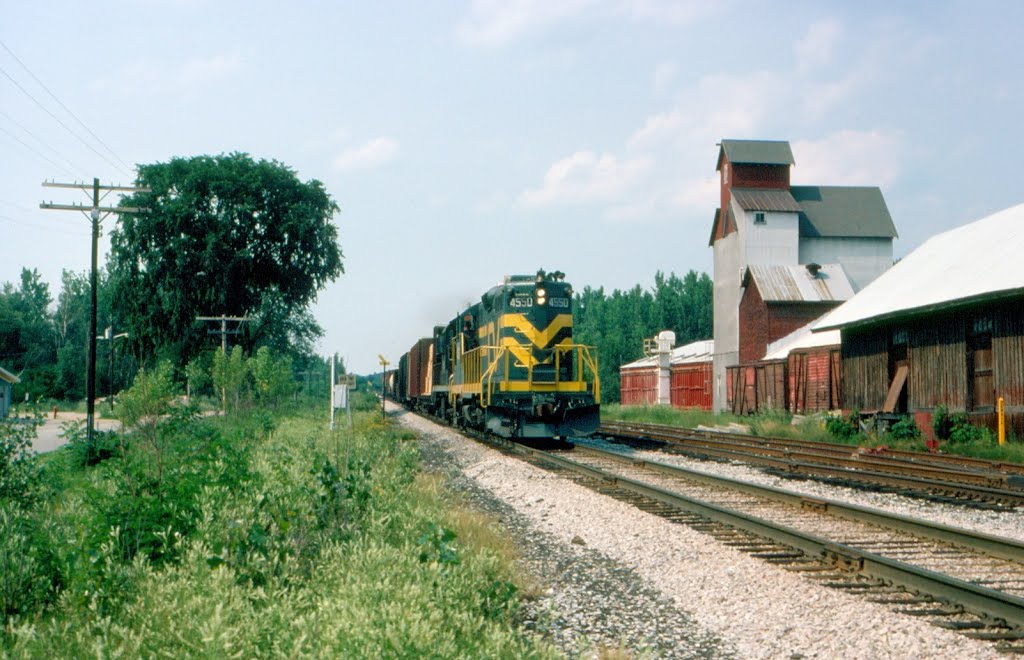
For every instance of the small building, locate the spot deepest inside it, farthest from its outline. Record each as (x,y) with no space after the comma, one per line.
(945,325)
(762,220)
(7,383)
(683,380)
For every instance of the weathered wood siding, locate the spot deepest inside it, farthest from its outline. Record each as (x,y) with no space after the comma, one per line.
(938,356)
(865,368)
(938,363)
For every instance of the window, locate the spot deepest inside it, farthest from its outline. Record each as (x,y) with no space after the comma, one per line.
(759,218)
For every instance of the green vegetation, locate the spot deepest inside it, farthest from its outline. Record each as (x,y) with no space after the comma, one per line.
(959,436)
(223,235)
(251,534)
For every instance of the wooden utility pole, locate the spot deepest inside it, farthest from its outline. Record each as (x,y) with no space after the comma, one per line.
(224,332)
(96,214)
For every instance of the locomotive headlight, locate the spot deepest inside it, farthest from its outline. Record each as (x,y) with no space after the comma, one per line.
(541,293)
(541,300)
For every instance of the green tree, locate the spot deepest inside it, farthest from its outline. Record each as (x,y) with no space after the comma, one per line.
(230,373)
(222,235)
(272,376)
(26,333)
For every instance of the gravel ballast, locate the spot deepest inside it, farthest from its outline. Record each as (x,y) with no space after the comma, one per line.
(617,576)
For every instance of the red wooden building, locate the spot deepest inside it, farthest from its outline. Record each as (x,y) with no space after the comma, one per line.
(688,378)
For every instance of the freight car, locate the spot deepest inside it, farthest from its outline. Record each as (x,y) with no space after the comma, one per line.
(508,365)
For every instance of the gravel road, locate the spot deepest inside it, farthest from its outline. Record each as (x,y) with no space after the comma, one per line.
(616,577)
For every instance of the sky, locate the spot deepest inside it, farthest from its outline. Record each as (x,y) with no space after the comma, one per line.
(465,141)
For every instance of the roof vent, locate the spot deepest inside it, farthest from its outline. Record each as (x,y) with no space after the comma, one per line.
(813,269)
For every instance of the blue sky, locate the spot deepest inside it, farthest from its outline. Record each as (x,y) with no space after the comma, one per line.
(469,140)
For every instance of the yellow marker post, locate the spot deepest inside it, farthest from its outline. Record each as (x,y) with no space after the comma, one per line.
(1001,412)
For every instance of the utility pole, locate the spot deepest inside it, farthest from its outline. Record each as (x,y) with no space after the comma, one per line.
(96,214)
(224,332)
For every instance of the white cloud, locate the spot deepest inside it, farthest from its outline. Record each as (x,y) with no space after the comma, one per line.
(700,194)
(498,22)
(849,158)
(818,45)
(374,153)
(586,178)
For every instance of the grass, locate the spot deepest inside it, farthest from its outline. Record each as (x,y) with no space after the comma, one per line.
(781,425)
(301,543)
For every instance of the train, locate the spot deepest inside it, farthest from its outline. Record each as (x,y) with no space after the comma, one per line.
(507,365)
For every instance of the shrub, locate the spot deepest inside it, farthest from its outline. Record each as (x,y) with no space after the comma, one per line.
(104,445)
(957,428)
(30,577)
(905,429)
(19,470)
(843,428)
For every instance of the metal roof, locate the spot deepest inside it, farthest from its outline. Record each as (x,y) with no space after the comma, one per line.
(755,152)
(694,352)
(801,338)
(755,199)
(843,211)
(799,283)
(974,262)
(9,377)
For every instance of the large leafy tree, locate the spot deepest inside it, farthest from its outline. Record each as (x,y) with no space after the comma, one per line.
(223,235)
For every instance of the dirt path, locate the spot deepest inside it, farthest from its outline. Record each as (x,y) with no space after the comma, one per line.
(48,435)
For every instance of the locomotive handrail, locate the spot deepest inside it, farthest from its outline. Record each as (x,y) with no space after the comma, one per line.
(501,355)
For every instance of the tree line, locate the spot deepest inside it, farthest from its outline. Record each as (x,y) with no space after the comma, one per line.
(617,323)
(221,235)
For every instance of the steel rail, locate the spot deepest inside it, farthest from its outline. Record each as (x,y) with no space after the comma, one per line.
(892,456)
(974,598)
(996,546)
(852,469)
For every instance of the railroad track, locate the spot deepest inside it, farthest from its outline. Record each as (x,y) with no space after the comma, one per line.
(959,580)
(975,482)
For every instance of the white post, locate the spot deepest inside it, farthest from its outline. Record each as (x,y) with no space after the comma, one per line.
(330,393)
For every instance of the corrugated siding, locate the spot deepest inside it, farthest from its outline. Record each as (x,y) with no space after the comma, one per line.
(638,386)
(865,369)
(691,386)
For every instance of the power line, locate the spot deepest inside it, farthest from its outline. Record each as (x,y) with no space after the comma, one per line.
(58,120)
(35,151)
(7,218)
(41,141)
(66,109)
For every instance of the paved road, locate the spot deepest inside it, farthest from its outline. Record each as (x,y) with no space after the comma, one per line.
(48,435)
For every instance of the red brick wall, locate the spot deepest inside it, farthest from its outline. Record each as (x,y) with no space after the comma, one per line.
(753,321)
(747,176)
(761,323)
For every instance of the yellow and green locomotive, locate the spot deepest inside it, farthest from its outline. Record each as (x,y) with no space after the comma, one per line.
(508,364)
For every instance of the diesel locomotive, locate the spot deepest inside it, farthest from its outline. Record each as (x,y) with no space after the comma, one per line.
(507,365)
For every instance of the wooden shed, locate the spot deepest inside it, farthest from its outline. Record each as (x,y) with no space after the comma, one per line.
(7,383)
(945,326)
